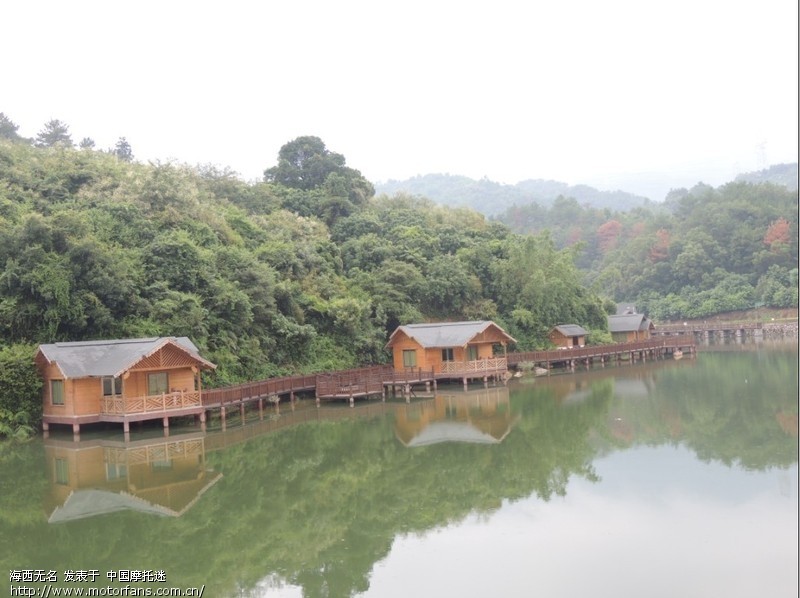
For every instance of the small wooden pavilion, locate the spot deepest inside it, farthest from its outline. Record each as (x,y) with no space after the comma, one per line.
(120,381)
(458,350)
(629,328)
(567,336)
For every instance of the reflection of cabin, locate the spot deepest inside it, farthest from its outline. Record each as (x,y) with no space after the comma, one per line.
(120,381)
(568,336)
(163,476)
(475,417)
(630,327)
(451,349)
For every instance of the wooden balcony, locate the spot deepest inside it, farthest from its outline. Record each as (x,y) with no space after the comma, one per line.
(155,404)
(476,367)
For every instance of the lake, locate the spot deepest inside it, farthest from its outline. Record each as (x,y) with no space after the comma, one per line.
(665,478)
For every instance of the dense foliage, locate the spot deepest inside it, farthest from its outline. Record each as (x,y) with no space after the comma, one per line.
(306,271)
(703,252)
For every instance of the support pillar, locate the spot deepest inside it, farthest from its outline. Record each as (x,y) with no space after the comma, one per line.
(261,408)
(222,417)
(241,411)
(203,421)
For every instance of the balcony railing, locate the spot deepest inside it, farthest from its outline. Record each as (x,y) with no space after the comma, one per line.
(476,366)
(170,401)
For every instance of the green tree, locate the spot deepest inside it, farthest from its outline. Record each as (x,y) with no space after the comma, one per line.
(304,163)
(8,129)
(123,151)
(55,133)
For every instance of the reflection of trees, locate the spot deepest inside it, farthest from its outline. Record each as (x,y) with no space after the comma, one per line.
(319,503)
(736,408)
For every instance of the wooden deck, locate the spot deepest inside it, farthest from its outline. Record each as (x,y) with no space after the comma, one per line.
(652,348)
(368,381)
(710,329)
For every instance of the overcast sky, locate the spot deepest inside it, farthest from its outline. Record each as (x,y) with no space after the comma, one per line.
(580,91)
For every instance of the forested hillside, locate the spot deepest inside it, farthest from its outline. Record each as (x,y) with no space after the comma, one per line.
(305,271)
(702,252)
(492,198)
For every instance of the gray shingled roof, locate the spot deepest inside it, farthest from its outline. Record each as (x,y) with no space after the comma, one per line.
(628,323)
(446,334)
(87,359)
(571,330)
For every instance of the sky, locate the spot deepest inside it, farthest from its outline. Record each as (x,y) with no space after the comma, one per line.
(643,96)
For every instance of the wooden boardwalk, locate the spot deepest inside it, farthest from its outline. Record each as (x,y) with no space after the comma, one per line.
(707,330)
(639,350)
(378,380)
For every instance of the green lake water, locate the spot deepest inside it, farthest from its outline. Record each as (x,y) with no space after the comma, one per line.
(659,479)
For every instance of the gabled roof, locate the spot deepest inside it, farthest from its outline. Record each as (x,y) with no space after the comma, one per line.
(628,323)
(88,359)
(447,334)
(570,330)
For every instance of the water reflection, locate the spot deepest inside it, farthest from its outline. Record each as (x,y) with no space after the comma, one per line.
(342,501)
(162,476)
(477,417)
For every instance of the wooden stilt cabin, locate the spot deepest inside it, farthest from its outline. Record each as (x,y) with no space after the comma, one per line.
(120,381)
(451,349)
(567,336)
(629,328)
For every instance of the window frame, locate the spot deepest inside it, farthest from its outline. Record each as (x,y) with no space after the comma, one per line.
(57,383)
(409,358)
(114,386)
(152,385)
(473,354)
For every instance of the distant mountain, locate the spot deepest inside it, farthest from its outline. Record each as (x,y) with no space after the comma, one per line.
(491,198)
(778,174)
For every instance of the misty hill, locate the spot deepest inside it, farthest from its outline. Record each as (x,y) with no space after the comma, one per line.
(491,198)
(778,174)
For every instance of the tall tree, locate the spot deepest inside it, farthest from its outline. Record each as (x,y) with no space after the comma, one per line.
(54,133)
(304,163)
(123,150)
(8,128)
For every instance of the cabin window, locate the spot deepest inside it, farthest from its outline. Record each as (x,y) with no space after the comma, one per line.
(409,358)
(112,386)
(116,471)
(447,354)
(62,471)
(57,392)
(472,352)
(157,383)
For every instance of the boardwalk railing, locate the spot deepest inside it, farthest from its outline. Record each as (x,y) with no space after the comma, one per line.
(166,402)
(216,397)
(706,327)
(601,350)
(352,383)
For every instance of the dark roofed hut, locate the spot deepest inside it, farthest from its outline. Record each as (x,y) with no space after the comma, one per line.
(567,336)
(630,328)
